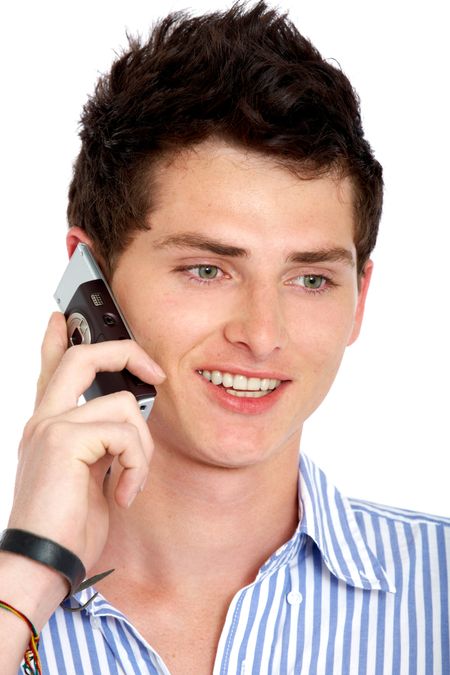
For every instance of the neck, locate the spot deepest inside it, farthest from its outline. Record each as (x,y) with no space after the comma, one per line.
(203,522)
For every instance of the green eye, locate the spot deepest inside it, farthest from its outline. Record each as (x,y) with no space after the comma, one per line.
(313,281)
(207,271)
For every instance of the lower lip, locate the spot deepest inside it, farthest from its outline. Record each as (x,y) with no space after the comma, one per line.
(243,404)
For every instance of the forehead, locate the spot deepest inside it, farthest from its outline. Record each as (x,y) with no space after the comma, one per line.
(229,190)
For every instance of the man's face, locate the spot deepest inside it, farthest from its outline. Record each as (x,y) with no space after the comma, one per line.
(248,271)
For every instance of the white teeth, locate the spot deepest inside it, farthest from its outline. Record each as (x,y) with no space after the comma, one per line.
(247,394)
(216,377)
(253,384)
(240,383)
(227,380)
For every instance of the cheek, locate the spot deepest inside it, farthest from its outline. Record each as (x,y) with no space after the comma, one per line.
(323,332)
(320,348)
(167,327)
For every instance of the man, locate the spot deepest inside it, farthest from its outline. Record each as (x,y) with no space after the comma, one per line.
(225,186)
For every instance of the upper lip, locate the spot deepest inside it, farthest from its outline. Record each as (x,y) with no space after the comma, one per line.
(238,370)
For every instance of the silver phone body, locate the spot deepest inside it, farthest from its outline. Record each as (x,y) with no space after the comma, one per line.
(93,315)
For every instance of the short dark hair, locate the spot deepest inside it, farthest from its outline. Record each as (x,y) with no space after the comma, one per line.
(245,75)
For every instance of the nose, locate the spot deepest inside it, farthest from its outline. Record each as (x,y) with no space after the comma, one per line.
(257,324)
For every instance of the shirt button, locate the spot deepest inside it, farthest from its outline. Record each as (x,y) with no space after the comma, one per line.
(95,622)
(294,598)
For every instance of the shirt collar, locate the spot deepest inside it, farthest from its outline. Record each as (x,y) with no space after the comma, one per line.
(328,519)
(325,516)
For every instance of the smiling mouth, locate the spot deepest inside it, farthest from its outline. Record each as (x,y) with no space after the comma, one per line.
(241,385)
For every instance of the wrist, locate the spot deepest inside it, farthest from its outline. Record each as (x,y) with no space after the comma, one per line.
(47,552)
(34,588)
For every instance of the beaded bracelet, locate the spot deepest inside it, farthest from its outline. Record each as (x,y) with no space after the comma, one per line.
(32,663)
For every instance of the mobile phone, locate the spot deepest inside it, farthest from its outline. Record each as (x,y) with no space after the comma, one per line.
(92,316)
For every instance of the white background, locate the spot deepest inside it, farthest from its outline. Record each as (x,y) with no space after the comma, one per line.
(383,432)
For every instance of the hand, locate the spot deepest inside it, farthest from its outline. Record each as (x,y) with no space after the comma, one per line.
(67,449)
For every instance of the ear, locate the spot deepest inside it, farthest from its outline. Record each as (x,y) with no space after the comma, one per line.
(362,294)
(77,236)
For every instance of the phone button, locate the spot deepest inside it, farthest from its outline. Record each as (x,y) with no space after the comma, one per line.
(109,319)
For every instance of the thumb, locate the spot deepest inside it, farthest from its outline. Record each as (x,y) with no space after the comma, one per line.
(53,348)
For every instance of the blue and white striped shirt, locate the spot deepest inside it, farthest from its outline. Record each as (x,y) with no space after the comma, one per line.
(359,589)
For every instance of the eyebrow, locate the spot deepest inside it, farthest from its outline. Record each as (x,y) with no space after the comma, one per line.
(202,243)
(336,254)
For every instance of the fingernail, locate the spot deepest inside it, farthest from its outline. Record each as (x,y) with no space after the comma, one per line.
(157,370)
(131,500)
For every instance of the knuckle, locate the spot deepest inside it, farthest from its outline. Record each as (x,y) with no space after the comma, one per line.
(127,399)
(41,433)
(131,432)
(28,430)
(133,441)
(51,432)
(128,343)
(75,353)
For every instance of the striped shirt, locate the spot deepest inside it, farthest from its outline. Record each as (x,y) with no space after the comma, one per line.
(360,589)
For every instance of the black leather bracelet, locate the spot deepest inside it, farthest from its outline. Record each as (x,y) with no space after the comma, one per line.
(47,552)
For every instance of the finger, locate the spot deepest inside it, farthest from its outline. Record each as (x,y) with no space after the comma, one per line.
(72,448)
(53,348)
(119,407)
(121,441)
(79,365)
(99,470)
(130,483)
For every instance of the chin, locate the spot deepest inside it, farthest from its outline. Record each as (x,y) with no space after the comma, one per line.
(237,452)
(227,444)
(230,460)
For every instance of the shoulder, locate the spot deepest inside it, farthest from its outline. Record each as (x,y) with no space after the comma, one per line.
(417,543)
(371,511)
